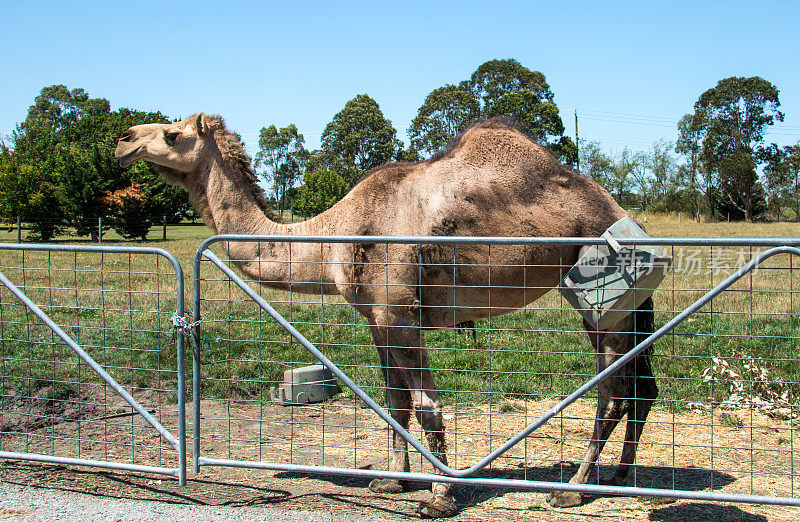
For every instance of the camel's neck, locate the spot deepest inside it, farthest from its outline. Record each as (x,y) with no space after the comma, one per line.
(232,207)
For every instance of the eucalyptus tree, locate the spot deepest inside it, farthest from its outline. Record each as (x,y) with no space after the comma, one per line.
(596,164)
(508,88)
(732,118)
(782,175)
(282,154)
(689,144)
(359,138)
(446,112)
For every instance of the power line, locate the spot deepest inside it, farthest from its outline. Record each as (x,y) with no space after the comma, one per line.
(630,122)
(627,117)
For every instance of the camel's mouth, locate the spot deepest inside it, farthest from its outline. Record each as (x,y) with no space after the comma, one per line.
(126,159)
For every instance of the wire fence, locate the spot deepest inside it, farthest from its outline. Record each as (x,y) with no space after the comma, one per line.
(509,363)
(96,230)
(722,427)
(90,369)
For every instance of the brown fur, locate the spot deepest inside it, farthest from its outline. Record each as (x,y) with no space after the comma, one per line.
(493,181)
(236,158)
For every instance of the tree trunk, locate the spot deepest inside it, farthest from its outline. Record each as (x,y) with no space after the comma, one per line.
(710,201)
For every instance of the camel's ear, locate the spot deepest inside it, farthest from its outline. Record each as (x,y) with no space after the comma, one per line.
(200,124)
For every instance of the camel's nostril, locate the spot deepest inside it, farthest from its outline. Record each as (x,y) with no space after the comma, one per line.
(126,136)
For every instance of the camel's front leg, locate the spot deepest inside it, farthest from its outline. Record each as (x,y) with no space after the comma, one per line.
(428,408)
(398,400)
(409,377)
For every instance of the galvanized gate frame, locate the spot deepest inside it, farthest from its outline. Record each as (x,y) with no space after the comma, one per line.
(463,476)
(179,443)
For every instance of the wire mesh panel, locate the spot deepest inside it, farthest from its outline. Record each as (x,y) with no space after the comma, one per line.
(506,355)
(102,385)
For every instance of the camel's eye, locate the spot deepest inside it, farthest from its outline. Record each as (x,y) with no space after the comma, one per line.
(171,137)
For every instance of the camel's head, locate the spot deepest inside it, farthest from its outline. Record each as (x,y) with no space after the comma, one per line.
(179,146)
(628,333)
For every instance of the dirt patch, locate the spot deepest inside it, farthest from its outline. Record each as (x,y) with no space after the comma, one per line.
(696,451)
(45,406)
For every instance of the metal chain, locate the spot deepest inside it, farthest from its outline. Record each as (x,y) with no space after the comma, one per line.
(183,325)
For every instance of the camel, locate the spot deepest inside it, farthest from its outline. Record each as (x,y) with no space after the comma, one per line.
(492,181)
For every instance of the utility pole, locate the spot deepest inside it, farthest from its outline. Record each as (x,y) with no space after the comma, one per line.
(577,145)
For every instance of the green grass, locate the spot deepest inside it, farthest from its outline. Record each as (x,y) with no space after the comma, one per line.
(524,354)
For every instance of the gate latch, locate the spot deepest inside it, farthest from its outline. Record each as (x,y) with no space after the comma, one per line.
(183,325)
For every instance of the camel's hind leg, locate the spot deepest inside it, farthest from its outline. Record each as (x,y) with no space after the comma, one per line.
(609,412)
(630,390)
(643,388)
(646,393)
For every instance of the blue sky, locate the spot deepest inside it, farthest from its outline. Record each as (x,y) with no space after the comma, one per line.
(630,69)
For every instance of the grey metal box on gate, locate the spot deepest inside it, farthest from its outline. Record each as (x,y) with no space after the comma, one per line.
(610,281)
(304,385)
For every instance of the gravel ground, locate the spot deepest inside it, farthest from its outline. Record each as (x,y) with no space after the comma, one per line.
(31,503)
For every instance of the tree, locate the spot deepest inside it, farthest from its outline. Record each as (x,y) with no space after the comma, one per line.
(738,183)
(69,138)
(71,113)
(283,155)
(359,138)
(507,88)
(565,151)
(31,194)
(320,191)
(29,188)
(128,211)
(596,164)
(620,180)
(446,112)
(690,137)
(665,181)
(782,173)
(732,118)
(502,88)
(81,174)
(636,165)
(496,78)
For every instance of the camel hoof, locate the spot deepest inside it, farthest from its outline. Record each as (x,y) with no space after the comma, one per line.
(619,481)
(387,486)
(564,499)
(438,507)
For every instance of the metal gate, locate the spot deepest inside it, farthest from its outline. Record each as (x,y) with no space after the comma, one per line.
(723,428)
(92,370)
